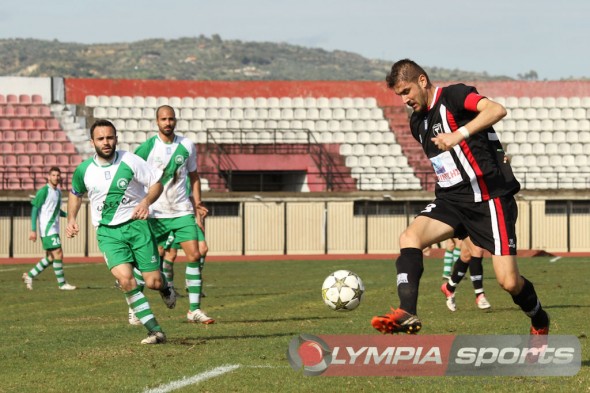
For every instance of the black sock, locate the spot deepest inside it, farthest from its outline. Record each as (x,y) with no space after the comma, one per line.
(476,273)
(529,303)
(410,266)
(459,270)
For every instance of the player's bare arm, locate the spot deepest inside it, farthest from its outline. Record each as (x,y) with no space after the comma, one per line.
(74,203)
(141,211)
(200,208)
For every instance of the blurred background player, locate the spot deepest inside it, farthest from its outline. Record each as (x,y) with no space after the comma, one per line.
(47,210)
(452,253)
(171,252)
(179,210)
(121,187)
(471,256)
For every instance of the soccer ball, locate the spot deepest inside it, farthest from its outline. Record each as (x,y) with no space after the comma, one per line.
(342,290)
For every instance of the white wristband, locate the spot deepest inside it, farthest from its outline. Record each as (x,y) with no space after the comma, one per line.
(463,131)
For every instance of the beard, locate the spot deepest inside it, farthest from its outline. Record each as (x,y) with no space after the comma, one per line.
(105,156)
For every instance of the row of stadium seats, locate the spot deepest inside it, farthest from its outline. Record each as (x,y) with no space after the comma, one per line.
(23,99)
(237,125)
(29,124)
(545,137)
(558,149)
(543,125)
(32,136)
(247,114)
(40,161)
(543,102)
(24,111)
(545,113)
(226,102)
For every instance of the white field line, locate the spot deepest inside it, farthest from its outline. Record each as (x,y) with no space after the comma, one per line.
(195,379)
(552,260)
(8,270)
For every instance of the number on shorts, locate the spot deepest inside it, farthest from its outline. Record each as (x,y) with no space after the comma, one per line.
(429,208)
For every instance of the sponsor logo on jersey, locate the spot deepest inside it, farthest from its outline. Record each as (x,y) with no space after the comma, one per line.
(122,184)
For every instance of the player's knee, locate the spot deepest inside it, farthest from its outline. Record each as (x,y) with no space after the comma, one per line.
(193,256)
(203,249)
(154,282)
(410,239)
(511,285)
(127,283)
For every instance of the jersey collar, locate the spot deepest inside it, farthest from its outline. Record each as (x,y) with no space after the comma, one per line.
(437,92)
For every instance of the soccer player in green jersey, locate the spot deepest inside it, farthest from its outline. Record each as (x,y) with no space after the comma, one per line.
(179,209)
(47,210)
(121,187)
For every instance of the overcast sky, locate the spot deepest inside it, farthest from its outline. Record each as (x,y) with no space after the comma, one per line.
(502,37)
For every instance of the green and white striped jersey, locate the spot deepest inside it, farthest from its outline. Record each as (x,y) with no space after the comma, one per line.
(115,189)
(48,201)
(176,160)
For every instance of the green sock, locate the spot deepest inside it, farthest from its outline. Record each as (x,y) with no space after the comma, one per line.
(448,263)
(39,267)
(141,307)
(193,284)
(168,271)
(139,278)
(58,269)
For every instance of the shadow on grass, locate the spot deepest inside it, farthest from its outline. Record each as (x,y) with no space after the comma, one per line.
(278,319)
(192,341)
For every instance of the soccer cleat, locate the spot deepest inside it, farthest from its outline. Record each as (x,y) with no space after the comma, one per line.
(133,320)
(28,281)
(154,338)
(450,297)
(199,316)
(67,287)
(537,343)
(169,297)
(398,321)
(482,302)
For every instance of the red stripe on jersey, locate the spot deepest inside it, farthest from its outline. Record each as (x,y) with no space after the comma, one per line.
(505,250)
(485,194)
(471,101)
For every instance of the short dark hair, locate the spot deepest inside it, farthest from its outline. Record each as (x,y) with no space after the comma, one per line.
(164,107)
(54,169)
(405,70)
(101,123)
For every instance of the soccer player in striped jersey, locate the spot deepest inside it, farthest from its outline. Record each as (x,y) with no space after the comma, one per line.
(121,187)
(474,195)
(179,210)
(47,210)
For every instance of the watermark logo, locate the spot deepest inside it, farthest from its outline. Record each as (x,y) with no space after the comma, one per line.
(310,354)
(411,355)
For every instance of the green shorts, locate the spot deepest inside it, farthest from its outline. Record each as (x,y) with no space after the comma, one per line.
(172,243)
(182,228)
(131,242)
(51,242)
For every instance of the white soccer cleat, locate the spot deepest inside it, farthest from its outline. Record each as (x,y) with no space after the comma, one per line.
(67,287)
(199,316)
(133,320)
(450,297)
(154,338)
(28,281)
(482,302)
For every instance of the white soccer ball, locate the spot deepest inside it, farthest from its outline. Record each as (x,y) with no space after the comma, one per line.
(342,290)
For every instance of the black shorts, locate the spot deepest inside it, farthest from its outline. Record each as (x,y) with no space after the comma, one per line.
(491,225)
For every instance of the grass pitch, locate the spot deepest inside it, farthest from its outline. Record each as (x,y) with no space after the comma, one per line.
(80,341)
